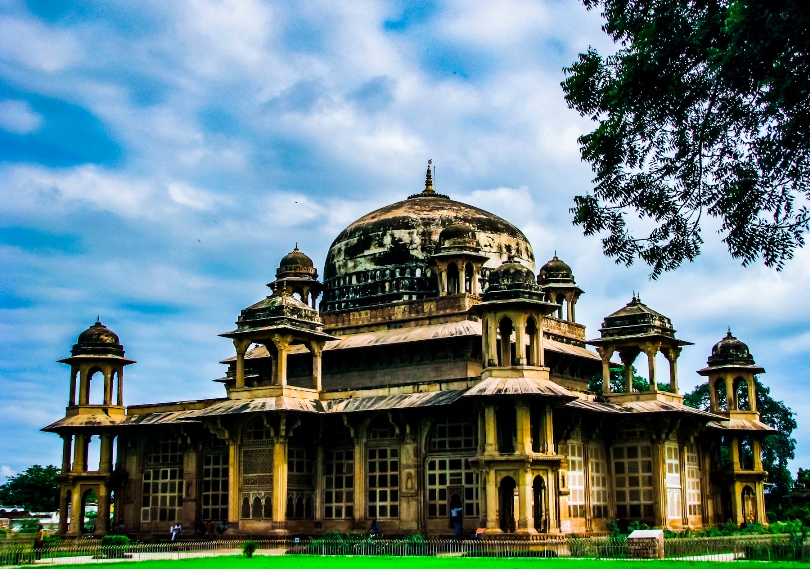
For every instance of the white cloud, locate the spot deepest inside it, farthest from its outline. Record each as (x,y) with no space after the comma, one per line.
(6,471)
(18,117)
(37,46)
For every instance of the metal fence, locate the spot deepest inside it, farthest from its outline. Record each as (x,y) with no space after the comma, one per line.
(86,551)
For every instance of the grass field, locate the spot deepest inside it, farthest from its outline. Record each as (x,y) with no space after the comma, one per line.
(348,562)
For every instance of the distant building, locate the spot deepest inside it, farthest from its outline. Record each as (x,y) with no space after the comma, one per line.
(440,372)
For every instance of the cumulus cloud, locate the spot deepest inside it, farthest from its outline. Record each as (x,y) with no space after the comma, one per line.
(6,471)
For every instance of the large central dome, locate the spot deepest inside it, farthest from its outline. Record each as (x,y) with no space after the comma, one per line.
(385,255)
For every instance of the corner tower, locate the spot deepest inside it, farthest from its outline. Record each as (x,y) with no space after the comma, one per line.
(97,356)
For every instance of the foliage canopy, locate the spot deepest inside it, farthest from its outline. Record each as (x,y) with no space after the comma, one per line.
(704,110)
(35,489)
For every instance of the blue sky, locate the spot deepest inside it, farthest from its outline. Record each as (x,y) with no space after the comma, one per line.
(158,158)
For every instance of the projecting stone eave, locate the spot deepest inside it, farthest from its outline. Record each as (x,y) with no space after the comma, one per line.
(706,371)
(634,337)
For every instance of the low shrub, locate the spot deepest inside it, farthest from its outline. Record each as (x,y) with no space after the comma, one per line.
(115,546)
(249,547)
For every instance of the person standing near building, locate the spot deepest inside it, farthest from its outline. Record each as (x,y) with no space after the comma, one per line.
(455,518)
(39,541)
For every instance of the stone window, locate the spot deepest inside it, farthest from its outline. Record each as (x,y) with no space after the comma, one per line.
(449,475)
(162,495)
(300,483)
(693,501)
(164,452)
(453,435)
(632,468)
(339,482)
(215,486)
(576,480)
(672,454)
(600,486)
(382,469)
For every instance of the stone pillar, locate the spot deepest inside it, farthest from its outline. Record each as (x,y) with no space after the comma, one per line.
(75,528)
(756,447)
(605,353)
(64,507)
(506,345)
(241,346)
(318,506)
(671,354)
(120,386)
(520,339)
(570,307)
(586,457)
(491,441)
(651,350)
(525,523)
(730,406)
(492,341)
(72,398)
(628,356)
(79,453)
(84,390)
(574,310)
(234,499)
(103,517)
(476,287)
(462,277)
(442,281)
(105,461)
(541,350)
(752,394)
(67,441)
(282,344)
(659,465)
(714,404)
(359,480)
(492,502)
(108,386)
(316,349)
(279,481)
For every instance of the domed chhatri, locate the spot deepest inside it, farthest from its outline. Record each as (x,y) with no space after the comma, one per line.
(512,275)
(555,271)
(730,352)
(296,264)
(98,340)
(636,319)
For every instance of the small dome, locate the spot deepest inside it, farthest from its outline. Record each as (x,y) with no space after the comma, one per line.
(730,351)
(555,271)
(512,273)
(296,259)
(98,340)
(296,264)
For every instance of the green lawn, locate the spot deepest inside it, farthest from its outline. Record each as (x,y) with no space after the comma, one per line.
(348,562)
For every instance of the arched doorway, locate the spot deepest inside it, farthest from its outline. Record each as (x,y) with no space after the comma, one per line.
(452,279)
(749,504)
(540,505)
(506,508)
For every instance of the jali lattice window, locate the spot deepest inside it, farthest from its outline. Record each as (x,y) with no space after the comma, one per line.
(339,481)
(164,452)
(162,495)
(673,480)
(382,468)
(452,435)
(576,481)
(300,483)
(600,487)
(447,475)
(215,487)
(632,467)
(693,501)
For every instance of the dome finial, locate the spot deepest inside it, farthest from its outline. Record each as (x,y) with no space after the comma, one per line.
(429,179)
(728,334)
